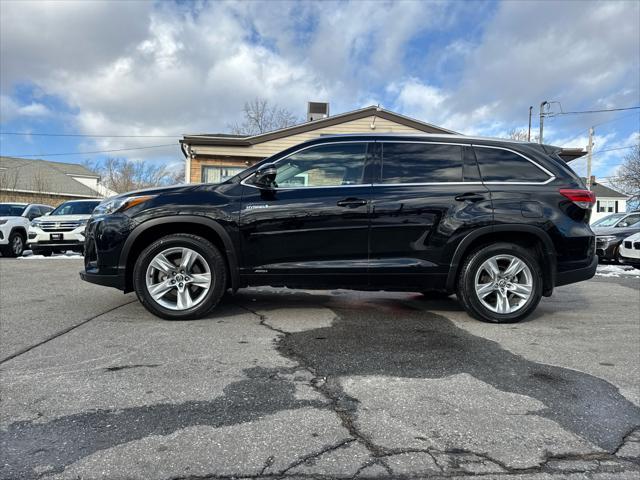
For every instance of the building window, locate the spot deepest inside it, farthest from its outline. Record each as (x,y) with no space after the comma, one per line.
(607,206)
(213,174)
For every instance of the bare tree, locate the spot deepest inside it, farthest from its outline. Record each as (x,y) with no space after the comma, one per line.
(261,117)
(520,134)
(122,175)
(8,183)
(40,185)
(627,180)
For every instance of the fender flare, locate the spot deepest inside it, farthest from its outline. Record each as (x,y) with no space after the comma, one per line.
(548,267)
(23,230)
(229,248)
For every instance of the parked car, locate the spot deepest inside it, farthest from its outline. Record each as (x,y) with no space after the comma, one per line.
(608,221)
(630,250)
(62,229)
(610,234)
(14,225)
(498,222)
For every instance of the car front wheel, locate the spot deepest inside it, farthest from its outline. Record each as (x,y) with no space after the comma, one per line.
(500,283)
(180,277)
(16,245)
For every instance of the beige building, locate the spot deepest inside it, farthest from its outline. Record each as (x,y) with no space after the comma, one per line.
(213,158)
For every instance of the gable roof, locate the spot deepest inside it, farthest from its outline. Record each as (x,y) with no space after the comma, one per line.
(248,140)
(606,192)
(56,178)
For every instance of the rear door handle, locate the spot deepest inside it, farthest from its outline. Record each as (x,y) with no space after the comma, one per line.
(352,202)
(469,197)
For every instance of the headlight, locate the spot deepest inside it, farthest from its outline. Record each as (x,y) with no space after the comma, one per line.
(120,204)
(607,238)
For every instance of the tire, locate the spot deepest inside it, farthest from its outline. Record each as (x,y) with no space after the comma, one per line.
(475,271)
(174,289)
(16,245)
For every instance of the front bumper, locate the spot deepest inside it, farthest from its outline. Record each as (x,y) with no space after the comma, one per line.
(115,281)
(105,236)
(40,239)
(607,249)
(630,252)
(5,231)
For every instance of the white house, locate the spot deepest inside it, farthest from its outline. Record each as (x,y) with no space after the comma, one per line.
(608,201)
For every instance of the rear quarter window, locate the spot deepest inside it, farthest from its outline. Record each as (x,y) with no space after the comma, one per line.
(421,163)
(497,165)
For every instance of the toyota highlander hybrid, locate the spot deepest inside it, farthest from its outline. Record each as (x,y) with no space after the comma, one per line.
(500,223)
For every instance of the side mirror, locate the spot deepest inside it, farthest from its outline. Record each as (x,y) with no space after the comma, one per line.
(48,213)
(265,177)
(623,224)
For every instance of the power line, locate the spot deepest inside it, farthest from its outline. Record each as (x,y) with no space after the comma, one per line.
(95,151)
(589,111)
(612,149)
(39,134)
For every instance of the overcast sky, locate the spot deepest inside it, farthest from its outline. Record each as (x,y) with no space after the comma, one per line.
(168,68)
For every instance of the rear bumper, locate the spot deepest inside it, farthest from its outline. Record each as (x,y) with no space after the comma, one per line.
(577,275)
(115,281)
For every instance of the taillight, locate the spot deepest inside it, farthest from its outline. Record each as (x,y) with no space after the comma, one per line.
(582,198)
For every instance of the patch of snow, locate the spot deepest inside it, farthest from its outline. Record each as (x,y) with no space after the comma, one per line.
(69,254)
(616,271)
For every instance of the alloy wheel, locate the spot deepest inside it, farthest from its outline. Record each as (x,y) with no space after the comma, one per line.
(503,284)
(178,278)
(17,245)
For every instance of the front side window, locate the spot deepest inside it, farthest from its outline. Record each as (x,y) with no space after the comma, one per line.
(421,163)
(323,166)
(498,165)
(631,220)
(216,174)
(76,208)
(11,210)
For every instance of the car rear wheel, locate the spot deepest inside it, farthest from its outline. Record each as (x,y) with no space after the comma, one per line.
(500,283)
(180,277)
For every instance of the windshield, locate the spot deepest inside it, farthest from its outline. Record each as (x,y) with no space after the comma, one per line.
(608,221)
(76,208)
(11,210)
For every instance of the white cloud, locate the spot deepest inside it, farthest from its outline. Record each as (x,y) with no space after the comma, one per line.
(10,109)
(164,69)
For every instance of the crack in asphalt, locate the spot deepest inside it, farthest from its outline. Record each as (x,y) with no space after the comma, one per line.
(552,384)
(342,352)
(65,440)
(64,331)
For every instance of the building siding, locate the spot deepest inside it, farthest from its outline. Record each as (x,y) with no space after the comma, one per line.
(245,156)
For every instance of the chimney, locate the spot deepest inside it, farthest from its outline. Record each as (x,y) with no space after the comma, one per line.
(317,110)
(592,180)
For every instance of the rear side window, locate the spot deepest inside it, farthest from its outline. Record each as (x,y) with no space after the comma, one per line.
(421,163)
(504,166)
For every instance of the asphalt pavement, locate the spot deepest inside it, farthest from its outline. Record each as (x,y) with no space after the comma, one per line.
(279,383)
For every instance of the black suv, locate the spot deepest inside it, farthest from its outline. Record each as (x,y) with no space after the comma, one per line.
(499,223)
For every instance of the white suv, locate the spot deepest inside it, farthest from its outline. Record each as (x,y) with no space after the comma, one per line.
(62,229)
(14,225)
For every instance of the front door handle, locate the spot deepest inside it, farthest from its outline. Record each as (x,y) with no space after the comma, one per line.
(352,202)
(469,197)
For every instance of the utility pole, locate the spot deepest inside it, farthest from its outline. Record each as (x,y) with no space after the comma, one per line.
(529,134)
(589,150)
(542,119)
